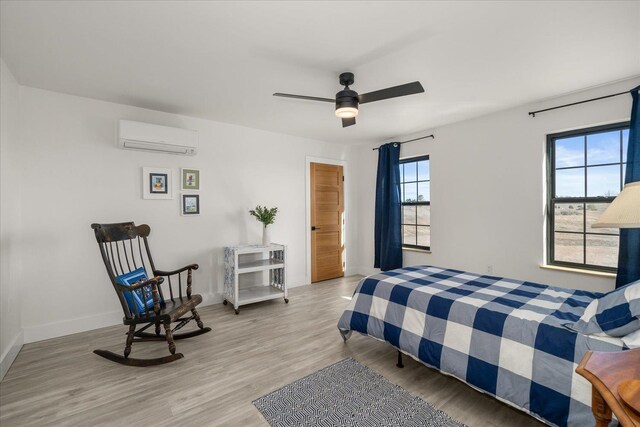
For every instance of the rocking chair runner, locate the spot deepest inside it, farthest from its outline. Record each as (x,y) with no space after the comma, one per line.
(121,247)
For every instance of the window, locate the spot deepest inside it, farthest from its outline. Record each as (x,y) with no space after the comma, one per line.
(416,202)
(586,172)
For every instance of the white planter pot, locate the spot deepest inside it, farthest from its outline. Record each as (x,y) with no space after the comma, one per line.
(266,236)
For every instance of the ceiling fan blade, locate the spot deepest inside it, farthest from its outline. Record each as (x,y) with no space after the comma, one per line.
(391,92)
(310,98)
(348,122)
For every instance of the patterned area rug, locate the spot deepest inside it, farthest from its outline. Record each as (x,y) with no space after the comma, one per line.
(348,394)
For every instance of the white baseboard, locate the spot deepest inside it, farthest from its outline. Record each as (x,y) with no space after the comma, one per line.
(83,324)
(366,271)
(298,281)
(88,323)
(350,272)
(211,299)
(10,354)
(71,326)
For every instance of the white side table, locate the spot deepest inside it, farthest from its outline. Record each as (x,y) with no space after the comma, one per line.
(242,259)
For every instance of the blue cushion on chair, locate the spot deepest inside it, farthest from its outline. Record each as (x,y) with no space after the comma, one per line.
(139,295)
(616,314)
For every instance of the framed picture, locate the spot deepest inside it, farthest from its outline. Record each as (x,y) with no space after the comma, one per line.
(190,204)
(157,183)
(190,179)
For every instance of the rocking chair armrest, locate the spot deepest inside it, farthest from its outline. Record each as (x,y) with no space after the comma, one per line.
(189,268)
(180,270)
(154,281)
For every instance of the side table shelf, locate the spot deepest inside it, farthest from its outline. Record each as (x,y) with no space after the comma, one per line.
(242,259)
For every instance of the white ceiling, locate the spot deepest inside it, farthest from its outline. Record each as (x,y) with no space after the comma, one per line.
(223,60)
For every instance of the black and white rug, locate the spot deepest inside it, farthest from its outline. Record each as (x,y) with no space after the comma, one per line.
(348,394)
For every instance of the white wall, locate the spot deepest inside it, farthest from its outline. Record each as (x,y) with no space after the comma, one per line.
(488,189)
(72,174)
(10,299)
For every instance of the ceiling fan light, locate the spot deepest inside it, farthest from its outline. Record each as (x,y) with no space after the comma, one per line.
(346,112)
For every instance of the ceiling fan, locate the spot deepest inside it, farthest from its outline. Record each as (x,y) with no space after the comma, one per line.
(347,100)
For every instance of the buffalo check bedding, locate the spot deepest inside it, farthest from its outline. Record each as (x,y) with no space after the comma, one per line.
(504,337)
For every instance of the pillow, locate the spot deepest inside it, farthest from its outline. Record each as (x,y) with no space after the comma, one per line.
(616,313)
(130,279)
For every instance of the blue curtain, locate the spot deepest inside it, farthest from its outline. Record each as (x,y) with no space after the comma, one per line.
(388,232)
(629,255)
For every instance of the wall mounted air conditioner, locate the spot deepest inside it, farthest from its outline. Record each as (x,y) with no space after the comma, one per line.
(159,139)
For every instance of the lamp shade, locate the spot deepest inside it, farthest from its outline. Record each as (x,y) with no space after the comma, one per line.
(624,211)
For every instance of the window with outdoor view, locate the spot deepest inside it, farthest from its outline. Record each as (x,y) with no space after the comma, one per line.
(416,202)
(586,172)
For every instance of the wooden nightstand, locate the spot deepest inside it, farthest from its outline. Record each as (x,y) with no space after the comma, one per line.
(613,374)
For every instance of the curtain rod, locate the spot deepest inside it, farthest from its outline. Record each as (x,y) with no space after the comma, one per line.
(411,140)
(533,113)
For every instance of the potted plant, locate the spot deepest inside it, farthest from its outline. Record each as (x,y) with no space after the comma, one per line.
(266,216)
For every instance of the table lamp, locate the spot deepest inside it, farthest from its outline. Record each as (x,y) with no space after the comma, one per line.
(624,211)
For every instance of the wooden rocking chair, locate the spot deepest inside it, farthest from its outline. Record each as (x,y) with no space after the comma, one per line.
(119,245)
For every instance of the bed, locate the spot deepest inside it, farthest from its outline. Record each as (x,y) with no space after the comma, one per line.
(504,337)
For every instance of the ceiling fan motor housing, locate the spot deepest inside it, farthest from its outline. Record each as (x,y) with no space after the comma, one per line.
(347,98)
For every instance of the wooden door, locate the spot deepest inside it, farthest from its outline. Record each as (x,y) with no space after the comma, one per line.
(327,222)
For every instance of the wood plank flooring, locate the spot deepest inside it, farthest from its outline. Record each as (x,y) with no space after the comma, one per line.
(61,382)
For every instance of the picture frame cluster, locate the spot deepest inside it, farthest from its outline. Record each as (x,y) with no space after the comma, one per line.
(157,184)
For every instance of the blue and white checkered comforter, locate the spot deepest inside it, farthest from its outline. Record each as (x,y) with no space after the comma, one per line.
(501,336)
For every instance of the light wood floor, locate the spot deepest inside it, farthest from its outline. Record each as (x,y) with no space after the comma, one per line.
(269,345)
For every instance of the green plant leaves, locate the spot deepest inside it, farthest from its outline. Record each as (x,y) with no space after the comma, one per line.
(265,215)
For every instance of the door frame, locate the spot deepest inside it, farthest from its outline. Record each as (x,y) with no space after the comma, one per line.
(337,162)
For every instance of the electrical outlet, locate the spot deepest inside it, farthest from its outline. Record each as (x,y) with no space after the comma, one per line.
(490,269)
